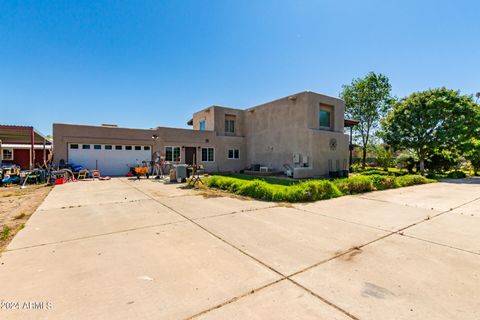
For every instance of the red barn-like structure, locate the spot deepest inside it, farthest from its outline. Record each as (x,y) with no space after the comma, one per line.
(23,146)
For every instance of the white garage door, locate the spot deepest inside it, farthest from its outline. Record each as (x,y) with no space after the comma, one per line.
(112,160)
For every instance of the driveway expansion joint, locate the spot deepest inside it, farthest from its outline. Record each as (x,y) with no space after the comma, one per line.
(282,276)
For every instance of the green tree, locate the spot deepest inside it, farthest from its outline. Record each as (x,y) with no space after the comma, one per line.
(367,99)
(472,153)
(431,121)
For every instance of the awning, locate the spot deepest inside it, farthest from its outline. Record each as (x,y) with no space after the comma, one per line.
(350,123)
(21,135)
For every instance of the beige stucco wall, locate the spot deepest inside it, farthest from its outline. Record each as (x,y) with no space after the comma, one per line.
(277,130)
(63,134)
(269,134)
(73,133)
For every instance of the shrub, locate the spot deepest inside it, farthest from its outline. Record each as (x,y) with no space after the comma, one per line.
(382,182)
(259,189)
(411,179)
(355,184)
(456,175)
(311,190)
(407,161)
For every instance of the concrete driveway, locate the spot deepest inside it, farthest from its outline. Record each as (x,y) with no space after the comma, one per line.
(123,249)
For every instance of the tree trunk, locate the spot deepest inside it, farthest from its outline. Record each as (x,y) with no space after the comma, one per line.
(364,157)
(422,166)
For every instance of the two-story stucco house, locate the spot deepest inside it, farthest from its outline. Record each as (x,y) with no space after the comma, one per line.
(304,131)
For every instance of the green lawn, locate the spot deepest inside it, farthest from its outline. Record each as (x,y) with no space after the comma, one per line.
(279,181)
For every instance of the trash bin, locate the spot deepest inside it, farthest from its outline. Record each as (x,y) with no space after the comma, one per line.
(181,171)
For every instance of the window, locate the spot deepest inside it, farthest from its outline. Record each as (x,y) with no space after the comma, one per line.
(172,154)
(233,154)
(7,154)
(128,147)
(230,126)
(74,146)
(118,148)
(97,147)
(138,148)
(201,125)
(108,147)
(146,148)
(324,119)
(85,146)
(208,154)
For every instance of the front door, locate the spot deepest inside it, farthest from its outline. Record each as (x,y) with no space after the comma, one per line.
(190,155)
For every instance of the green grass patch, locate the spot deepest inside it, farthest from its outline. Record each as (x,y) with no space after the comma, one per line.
(311,190)
(261,189)
(5,233)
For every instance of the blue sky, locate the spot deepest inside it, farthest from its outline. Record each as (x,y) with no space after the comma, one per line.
(153,63)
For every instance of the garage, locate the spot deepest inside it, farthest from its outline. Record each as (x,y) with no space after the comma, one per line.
(112,160)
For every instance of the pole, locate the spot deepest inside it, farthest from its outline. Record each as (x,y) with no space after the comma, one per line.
(350,147)
(44,151)
(32,154)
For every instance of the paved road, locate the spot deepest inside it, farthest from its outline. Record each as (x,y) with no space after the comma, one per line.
(124,249)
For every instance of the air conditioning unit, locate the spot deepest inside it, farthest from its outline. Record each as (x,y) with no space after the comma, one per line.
(305,160)
(296,158)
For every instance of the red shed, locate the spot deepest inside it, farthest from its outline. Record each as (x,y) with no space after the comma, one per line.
(23,146)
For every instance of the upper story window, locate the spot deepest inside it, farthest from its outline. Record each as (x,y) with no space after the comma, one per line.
(230,125)
(325,116)
(201,125)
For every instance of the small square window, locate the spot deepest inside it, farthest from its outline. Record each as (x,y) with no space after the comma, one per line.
(172,154)
(118,148)
(97,147)
(138,148)
(74,146)
(108,147)
(208,155)
(85,146)
(146,148)
(233,154)
(7,154)
(128,147)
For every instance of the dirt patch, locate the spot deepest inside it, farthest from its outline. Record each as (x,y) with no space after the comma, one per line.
(16,207)
(216,193)
(350,253)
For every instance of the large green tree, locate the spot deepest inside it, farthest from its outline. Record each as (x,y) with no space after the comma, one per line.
(431,121)
(367,99)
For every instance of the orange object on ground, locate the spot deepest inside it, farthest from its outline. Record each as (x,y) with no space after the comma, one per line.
(59,181)
(141,170)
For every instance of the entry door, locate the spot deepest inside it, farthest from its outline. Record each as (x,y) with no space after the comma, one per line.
(190,155)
